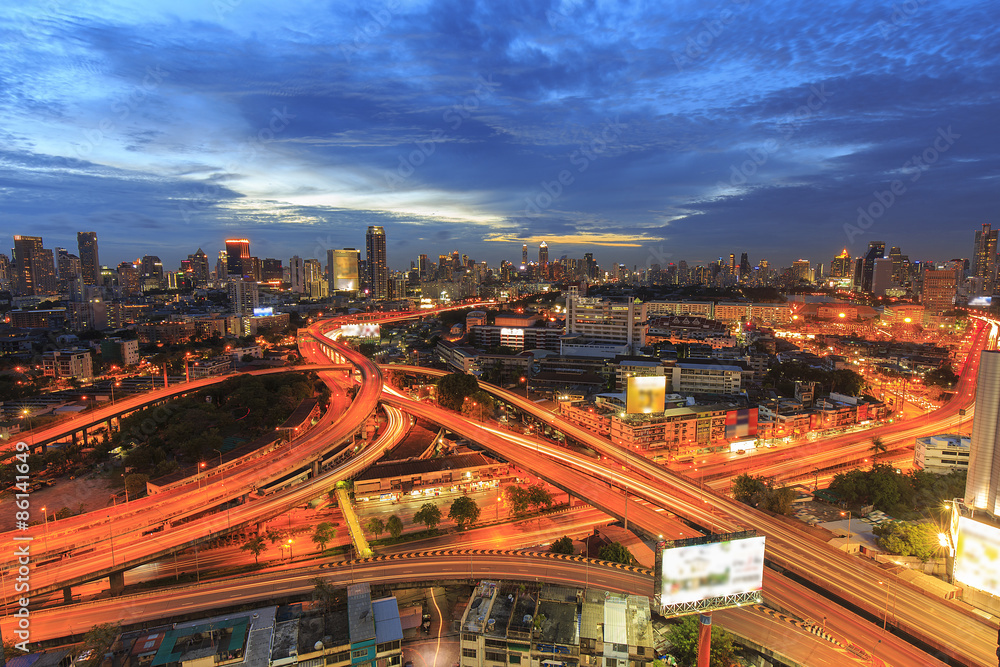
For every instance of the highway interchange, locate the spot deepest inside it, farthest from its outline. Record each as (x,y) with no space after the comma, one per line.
(614,488)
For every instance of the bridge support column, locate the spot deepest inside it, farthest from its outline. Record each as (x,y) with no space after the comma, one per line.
(315,468)
(117,580)
(68,595)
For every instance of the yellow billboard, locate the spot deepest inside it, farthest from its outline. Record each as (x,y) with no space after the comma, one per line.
(646,394)
(977,555)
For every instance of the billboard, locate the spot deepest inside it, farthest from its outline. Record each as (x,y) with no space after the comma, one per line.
(977,555)
(711,572)
(646,394)
(345,270)
(263,312)
(360,331)
(741,423)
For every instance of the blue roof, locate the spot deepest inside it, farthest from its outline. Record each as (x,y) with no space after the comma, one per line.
(23,660)
(387,625)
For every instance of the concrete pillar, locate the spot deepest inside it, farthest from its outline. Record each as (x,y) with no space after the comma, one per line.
(68,595)
(315,468)
(117,580)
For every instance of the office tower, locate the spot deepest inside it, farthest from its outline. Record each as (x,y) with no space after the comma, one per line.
(151,269)
(378,269)
(199,267)
(612,321)
(238,262)
(744,267)
(524,255)
(344,273)
(90,263)
(543,255)
(732,264)
(69,269)
(859,271)
(243,296)
(841,266)
(422,266)
(5,278)
(984,260)
(271,270)
(456,261)
(801,270)
(882,276)
(256,268)
(939,290)
(982,485)
(222,266)
(297,274)
(129,279)
(36,271)
(588,265)
(876,250)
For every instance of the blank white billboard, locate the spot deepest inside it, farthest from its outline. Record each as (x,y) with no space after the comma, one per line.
(716,570)
(977,555)
(360,331)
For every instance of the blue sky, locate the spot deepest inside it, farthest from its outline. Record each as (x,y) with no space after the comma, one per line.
(641,132)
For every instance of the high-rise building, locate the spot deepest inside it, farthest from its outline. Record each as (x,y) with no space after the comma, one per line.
(589,267)
(524,255)
(882,276)
(378,269)
(841,266)
(984,260)
(621,322)
(90,263)
(422,266)
(876,250)
(940,288)
(344,274)
(5,277)
(129,279)
(297,274)
(801,270)
(732,264)
(271,270)
(238,262)
(543,255)
(744,267)
(69,268)
(151,269)
(222,266)
(243,296)
(36,269)
(982,485)
(199,267)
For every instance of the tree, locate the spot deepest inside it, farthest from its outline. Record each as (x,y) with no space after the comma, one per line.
(99,638)
(539,496)
(683,640)
(324,533)
(616,552)
(878,447)
(759,491)
(395,526)
(464,511)
(256,546)
(564,545)
(452,390)
(429,515)
(375,525)
(478,406)
(135,485)
(748,489)
(516,498)
(908,539)
(943,377)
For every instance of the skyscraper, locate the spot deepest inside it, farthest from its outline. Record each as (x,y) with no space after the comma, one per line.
(378,270)
(841,265)
(524,255)
(243,296)
(939,290)
(238,262)
(543,255)
(422,266)
(984,260)
(36,269)
(199,267)
(876,250)
(297,273)
(343,266)
(90,263)
(744,267)
(732,264)
(982,485)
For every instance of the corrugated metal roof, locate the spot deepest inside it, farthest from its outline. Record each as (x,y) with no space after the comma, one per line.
(615,628)
(387,624)
(361,622)
(423,466)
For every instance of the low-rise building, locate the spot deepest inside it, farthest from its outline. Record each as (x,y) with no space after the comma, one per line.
(941,454)
(706,378)
(428,477)
(203,368)
(71,363)
(119,351)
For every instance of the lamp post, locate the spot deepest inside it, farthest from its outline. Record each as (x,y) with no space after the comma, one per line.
(46,515)
(885,614)
(201,466)
(111,535)
(220,466)
(848,530)
(525,381)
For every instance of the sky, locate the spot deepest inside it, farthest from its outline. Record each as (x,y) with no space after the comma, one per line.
(646,133)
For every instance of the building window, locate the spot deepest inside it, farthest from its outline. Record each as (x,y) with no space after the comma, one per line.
(360,653)
(515,658)
(467,637)
(468,653)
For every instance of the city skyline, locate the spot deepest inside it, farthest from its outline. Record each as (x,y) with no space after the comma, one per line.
(644,135)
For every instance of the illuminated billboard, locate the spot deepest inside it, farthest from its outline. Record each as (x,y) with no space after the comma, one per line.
(977,555)
(646,394)
(345,270)
(263,312)
(712,572)
(360,331)
(741,423)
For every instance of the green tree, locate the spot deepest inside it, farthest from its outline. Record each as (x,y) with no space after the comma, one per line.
(539,496)
(878,447)
(943,377)
(453,389)
(478,406)
(683,641)
(429,515)
(908,539)
(99,638)
(749,489)
(564,545)
(516,498)
(395,526)
(135,485)
(616,552)
(324,533)
(256,546)
(464,511)
(376,526)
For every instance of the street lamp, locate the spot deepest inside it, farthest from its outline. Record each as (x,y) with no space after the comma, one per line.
(885,615)
(525,381)
(46,515)
(848,530)
(291,556)
(220,466)
(201,466)
(111,535)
